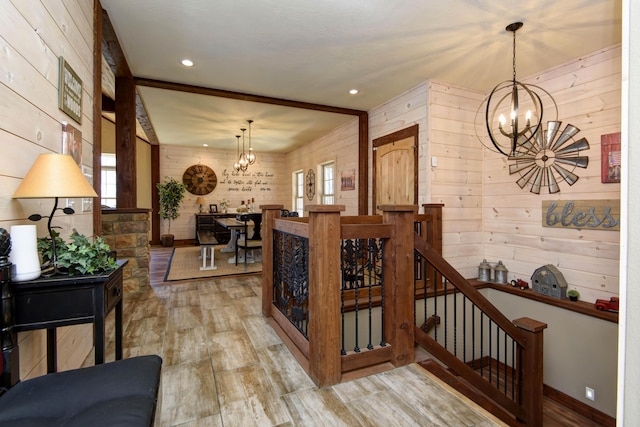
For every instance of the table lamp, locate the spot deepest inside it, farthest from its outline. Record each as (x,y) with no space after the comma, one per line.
(200,201)
(54,176)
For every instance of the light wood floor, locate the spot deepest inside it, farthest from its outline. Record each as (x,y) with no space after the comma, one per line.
(225,366)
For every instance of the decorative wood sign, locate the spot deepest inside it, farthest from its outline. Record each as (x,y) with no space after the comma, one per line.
(69,91)
(583,214)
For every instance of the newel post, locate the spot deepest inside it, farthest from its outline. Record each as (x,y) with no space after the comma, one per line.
(269,214)
(434,230)
(531,358)
(399,305)
(324,294)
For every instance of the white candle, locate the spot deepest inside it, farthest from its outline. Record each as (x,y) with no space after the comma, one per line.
(24,253)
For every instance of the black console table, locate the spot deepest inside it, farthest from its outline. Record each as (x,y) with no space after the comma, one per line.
(47,303)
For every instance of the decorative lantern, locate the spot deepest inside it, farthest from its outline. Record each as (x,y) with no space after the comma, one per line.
(484,271)
(500,273)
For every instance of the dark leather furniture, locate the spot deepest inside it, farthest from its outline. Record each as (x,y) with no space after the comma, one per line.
(245,241)
(121,393)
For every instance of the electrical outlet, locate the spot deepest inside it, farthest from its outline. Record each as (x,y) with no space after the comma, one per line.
(590,393)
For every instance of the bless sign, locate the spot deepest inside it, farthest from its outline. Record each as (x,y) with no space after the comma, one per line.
(589,214)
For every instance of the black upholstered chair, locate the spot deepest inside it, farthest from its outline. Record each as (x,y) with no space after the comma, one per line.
(121,393)
(249,237)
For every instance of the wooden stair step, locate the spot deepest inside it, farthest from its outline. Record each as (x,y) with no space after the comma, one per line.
(457,384)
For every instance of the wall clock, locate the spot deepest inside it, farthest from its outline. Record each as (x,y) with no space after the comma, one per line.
(199,179)
(311,184)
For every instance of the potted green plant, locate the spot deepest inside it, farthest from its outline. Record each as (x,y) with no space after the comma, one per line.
(80,255)
(171,193)
(573,295)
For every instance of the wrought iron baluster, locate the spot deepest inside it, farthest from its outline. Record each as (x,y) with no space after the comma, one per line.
(455,322)
(490,349)
(381,244)
(342,289)
(473,336)
(481,343)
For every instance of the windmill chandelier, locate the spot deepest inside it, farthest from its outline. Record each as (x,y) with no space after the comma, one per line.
(245,159)
(513,117)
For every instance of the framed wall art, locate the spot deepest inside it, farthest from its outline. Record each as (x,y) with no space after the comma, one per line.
(348,180)
(72,142)
(611,161)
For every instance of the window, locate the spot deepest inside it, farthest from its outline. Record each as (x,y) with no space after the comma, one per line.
(328,192)
(299,192)
(108,180)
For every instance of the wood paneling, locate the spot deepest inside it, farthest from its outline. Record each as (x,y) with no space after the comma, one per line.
(587,91)
(32,37)
(339,145)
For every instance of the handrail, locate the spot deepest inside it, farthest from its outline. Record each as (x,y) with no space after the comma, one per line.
(521,339)
(463,285)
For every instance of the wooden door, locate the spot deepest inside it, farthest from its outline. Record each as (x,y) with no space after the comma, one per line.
(395,165)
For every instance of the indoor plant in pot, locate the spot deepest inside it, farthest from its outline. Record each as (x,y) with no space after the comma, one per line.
(171,193)
(573,295)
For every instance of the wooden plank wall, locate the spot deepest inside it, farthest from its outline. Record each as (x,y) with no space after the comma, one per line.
(174,160)
(401,112)
(588,95)
(456,181)
(33,34)
(340,146)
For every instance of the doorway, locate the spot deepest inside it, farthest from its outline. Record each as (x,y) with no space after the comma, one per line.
(395,169)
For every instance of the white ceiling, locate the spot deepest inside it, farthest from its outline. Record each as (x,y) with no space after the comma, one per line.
(315,51)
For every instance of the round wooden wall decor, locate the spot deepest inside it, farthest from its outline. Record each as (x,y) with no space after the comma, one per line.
(200,179)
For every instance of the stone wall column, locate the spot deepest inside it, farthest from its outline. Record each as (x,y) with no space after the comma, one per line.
(126,231)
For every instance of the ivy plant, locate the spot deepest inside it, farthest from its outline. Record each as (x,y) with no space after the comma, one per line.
(80,255)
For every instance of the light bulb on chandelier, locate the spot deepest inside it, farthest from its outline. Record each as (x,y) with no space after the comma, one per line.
(251,155)
(242,159)
(236,165)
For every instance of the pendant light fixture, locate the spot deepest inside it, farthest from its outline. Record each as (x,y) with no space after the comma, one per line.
(513,114)
(242,160)
(236,165)
(514,111)
(251,155)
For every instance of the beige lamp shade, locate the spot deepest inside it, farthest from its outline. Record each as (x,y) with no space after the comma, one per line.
(54,175)
(200,201)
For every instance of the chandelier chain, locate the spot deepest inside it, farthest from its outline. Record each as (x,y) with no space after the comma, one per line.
(514,56)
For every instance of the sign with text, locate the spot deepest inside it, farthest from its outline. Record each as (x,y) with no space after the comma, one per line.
(70,91)
(583,214)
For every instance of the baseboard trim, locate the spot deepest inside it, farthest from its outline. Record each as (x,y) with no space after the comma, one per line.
(579,407)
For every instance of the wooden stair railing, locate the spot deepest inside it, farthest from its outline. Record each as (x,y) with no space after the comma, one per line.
(521,339)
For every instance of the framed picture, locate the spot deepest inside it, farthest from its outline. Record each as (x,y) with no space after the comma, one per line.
(348,180)
(72,142)
(213,208)
(610,157)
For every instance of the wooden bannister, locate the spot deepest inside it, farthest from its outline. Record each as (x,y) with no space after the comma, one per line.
(527,336)
(531,358)
(324,294)
(398,272)
(269,214)
(332,271)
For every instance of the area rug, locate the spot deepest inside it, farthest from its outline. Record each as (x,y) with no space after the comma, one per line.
(185,264)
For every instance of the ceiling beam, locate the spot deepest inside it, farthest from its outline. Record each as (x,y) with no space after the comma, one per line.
(160,84)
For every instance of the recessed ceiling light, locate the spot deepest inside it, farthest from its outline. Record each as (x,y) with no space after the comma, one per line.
(353,91)
(205,145)
(187,62)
